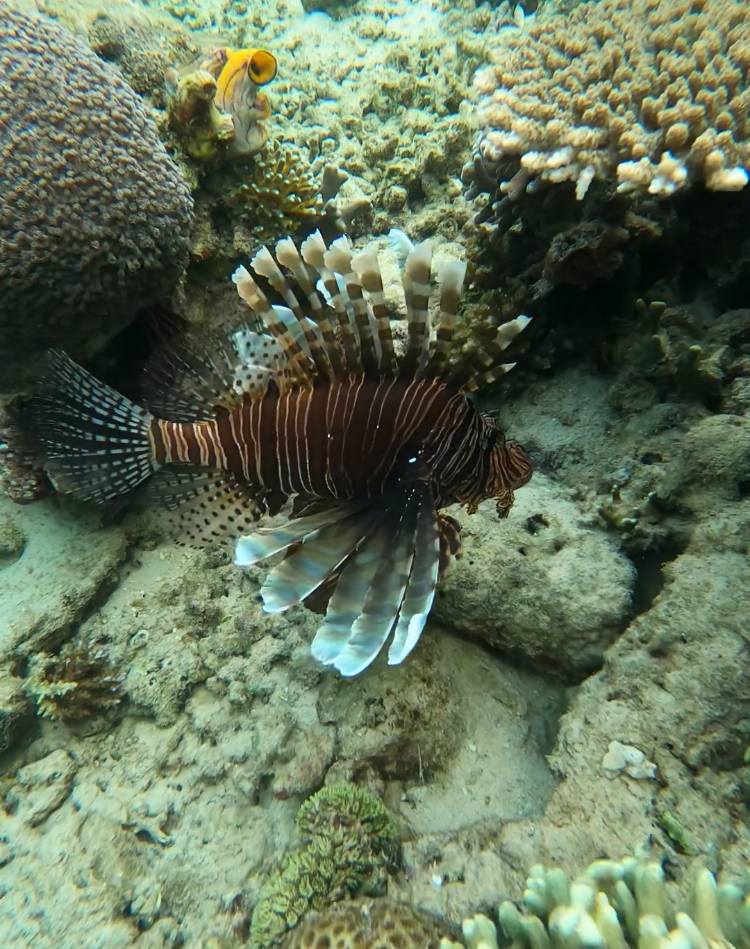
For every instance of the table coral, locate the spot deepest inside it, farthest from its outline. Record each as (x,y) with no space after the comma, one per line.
(348,843)
(94,215)
(650,93)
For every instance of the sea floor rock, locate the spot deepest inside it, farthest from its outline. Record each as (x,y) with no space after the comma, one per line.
(66,561)
(548,584)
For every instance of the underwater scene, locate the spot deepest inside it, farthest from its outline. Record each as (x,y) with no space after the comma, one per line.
(375,474)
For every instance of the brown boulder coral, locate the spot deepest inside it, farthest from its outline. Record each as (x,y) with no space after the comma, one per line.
(94,216)
(377,924)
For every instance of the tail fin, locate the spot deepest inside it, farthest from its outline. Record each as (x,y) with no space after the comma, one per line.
(97,443)
(386,556)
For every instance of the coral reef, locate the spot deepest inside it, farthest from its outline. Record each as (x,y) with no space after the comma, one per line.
(94,216)
(650,94)
(348,844)
(377,924)
(76,685)
(21,476)
(243,205)
(140,44)
(41,787)
(276,196)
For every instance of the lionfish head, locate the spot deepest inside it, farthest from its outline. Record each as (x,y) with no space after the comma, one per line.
(504,468)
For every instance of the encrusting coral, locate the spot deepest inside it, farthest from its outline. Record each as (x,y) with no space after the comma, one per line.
(651,93)
(348,844)
(94,215)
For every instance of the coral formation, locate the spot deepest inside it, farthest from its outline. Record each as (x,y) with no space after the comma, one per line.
(201,127)
(277,195)
(376,924)
(348,844)
(243,205)
(651,94)
(74,686)
(21,477)
(139,43)
(617,904)
(216,110)
(94,216)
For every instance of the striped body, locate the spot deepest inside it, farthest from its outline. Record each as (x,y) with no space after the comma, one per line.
(370,444)
(344,440)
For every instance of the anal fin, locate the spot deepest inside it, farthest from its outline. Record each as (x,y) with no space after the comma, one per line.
(207,506)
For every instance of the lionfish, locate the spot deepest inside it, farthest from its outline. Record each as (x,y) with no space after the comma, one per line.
(370,443)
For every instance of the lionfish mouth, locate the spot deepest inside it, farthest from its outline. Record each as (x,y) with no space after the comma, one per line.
(313,404)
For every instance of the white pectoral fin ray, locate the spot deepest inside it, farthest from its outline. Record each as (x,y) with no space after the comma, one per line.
(387,584)
(266,542)
(383,556)
(420,591)
(308,565)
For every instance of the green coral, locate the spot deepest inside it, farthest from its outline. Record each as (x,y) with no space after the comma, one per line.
(348,844)
(616,905)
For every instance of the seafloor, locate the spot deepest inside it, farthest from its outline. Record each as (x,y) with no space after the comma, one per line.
(582,689)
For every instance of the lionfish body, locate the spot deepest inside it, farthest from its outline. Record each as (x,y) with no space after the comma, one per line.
(371,445)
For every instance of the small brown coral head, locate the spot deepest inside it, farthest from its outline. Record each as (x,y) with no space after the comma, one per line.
(203,129)
(76,685)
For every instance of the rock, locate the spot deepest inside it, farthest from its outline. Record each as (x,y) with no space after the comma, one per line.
(42,787)
(627,759)
(65,562)
(540,584)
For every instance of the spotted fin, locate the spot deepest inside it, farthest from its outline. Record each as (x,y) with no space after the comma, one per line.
(207,505)
(301,368)
(193,378)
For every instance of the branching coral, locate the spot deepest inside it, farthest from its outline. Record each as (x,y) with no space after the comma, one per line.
(650,93)
(615,906)
(76,685)
(348,843)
